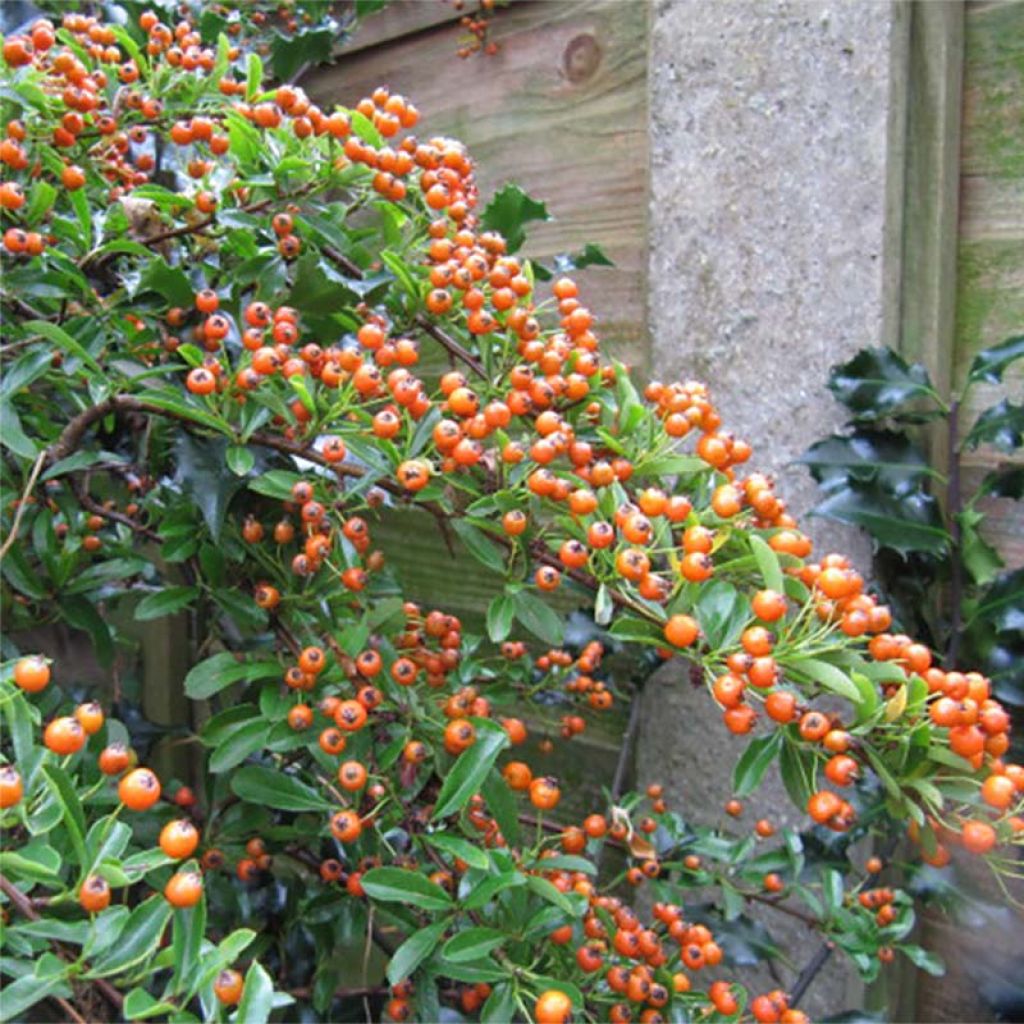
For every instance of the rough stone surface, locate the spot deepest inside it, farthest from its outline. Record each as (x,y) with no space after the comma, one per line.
(771,134)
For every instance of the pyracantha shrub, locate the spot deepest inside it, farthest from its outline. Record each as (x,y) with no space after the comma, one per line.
(240,332)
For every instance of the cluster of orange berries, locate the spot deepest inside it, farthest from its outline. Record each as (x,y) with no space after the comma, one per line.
(318,539)
(138,789)
(477,31)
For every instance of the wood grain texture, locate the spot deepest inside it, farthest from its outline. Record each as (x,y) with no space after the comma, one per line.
(994,88)
(990,255)
(561,110)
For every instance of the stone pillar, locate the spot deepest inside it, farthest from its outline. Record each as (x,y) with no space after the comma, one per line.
(776,139)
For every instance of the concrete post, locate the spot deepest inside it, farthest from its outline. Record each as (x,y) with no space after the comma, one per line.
(777,135)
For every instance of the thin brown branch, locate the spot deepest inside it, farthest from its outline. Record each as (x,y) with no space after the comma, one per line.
(783,908)
(24,906)
(342,261)
(447,342)
(24,308)
(20,511)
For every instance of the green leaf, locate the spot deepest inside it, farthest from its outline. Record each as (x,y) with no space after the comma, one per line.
(140,1005)
(482,549)
(34,862)
(257,996)
(919,957)
(411,953)
(904,523)
(141,936)
(550,894)
(455,846)
(1001,606)
(885,457)
(1001,425)
(721,611)
(501,803)
(405,885)
(1006,482)
(288,53)
(239,744)
(13,436)
(500,1006)
(500,613)
(485,891)
(591,255)
(62,340)
(472,944)
(670,465)
(990,364)
(768,564)
(268,788)
(833,679)
(165,602)
(507,212)
(170,283)
(254,76)
(40,201)
(186,943)
(240,459)
(470,769)
(20,724)
(28,990)
(71,806)
(538,618)
(797,768)
(200,473)
(277,483)
(980,558)
(877,383)
(754,762)
(220,671)
(604,606)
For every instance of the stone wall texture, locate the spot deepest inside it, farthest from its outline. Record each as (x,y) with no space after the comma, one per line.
(773,131)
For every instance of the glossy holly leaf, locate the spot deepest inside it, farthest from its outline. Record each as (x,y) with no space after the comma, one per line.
(980,558)
(318,287)
(910,522)
(1002,605)
(509,210)
(878,383)
(990,364)
(170,283)
(1001,425)
(871,456)
(591,255)
(288,53)
(1007,482)
(201,464)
